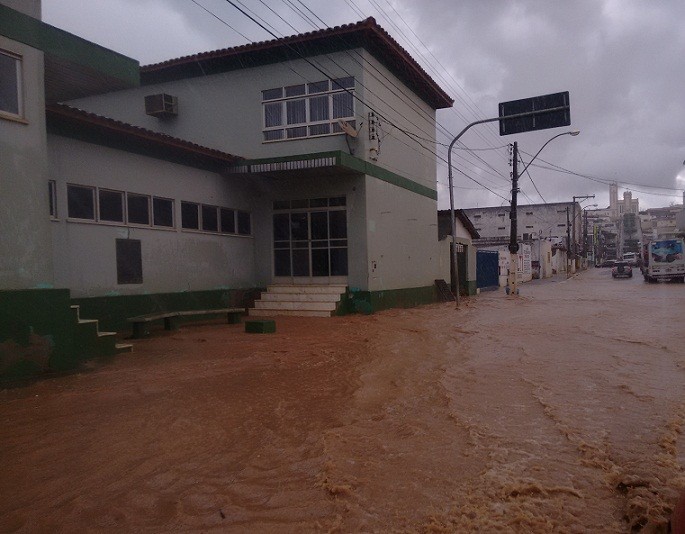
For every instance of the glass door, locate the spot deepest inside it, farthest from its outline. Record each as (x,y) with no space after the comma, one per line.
(310,240)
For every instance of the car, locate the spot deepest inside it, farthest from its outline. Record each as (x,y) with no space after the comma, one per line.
(622,268)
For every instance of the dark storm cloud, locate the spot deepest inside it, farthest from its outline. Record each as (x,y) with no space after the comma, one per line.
(621,60)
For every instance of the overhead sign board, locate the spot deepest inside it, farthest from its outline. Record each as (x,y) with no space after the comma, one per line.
(536,113)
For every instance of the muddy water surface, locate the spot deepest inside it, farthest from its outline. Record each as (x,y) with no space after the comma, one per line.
(560,410)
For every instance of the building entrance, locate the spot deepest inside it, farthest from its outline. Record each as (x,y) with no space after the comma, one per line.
(310,240)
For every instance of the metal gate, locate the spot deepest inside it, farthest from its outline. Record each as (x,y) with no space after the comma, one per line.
(487,269)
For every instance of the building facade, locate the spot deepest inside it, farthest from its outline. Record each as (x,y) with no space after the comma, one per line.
(194,182)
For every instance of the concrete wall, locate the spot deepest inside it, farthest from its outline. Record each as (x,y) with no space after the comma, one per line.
(173,260)
(24,216)
(402,237)
(398,109)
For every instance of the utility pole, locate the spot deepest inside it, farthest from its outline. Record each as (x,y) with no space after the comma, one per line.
(513,240)
(568,244)
(582,197)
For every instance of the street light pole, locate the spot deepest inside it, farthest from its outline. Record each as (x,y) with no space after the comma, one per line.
(453,220)
(513,241)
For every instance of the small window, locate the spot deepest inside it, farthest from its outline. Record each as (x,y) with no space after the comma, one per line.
(163,212)
(227,221)
(294,90)
(529,213)
(52,198)
(244,224)
(317,87)
(501,227)
(10,84)
(138,208)
(500,214)
(190,216)
(81,202)
(129,261)
(272,94)
(561,225)
(476,216)
(111,205)
(529,227)
(210,222)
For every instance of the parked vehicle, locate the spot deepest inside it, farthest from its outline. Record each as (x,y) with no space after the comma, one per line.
(622,269)
(663,260)
(631,258)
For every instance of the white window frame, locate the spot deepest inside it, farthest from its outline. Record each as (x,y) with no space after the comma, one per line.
(19,116)
(52,199)
(332,89)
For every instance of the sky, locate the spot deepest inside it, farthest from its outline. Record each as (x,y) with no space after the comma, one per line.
(622,61)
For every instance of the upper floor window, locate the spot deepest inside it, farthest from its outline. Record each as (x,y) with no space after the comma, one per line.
(307,110)
(10,85)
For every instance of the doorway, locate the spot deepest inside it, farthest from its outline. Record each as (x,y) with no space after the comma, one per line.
(310,241)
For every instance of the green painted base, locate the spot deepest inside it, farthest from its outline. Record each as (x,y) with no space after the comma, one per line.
(367,302)
(113,312)
(260,326)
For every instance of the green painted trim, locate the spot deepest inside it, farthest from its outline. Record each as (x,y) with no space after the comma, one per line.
(356,165)
(55,42)
(36,332)
(371,301)
(112,311)
(386,176)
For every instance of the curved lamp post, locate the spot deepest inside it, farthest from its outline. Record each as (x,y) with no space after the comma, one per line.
(513,246)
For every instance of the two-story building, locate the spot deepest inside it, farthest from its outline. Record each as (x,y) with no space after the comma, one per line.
(193,182)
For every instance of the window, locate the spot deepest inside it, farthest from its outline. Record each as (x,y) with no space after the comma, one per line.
(476,216)
(227,221)
(210,222)
(138,208)
(501,227)
(10,85)
(529,213)
(163,212)
(529,227)
(52,198)
(307,110)
(111,205)
(81,202)
(244,223)
(190,216)
(129,261)
(561,225)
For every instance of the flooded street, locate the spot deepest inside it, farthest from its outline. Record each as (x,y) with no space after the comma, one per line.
(561,410)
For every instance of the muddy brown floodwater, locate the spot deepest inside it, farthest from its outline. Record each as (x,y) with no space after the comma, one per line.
(561,410)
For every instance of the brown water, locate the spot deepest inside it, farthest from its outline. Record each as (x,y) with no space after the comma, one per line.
(561,410)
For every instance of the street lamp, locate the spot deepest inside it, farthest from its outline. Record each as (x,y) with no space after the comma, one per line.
(513,244)
(571,133)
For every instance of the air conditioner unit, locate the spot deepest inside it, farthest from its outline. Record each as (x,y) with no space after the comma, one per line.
(161,105)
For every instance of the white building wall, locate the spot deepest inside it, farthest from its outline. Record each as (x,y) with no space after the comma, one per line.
(173,260)
(25,259)
(392,231)
(402,237)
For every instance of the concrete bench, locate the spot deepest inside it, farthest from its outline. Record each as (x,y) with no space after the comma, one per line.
(141,322)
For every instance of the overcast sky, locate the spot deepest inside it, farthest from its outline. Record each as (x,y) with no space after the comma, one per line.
(623,62)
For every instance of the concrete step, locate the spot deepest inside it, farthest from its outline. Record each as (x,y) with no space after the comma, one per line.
(254,312)
(294,305)
(123,347)
(300,297)
(305,288)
